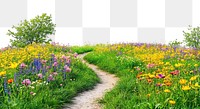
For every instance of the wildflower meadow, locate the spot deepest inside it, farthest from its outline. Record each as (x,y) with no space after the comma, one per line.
(152,76)
(41,76)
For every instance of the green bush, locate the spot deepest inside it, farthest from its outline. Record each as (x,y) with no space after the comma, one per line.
(192,37)
(34,31)
(175,43)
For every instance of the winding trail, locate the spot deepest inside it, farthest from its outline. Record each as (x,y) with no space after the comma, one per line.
(89,99)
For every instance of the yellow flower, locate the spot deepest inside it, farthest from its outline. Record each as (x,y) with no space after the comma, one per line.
(13,65)
(172,102)
(185,88)
(182,81)
(193,78)
(148,95)
(196,65)
(3,73)
(196,84)
(167,90)
(151,76)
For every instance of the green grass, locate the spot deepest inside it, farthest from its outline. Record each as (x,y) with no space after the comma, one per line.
(82,49)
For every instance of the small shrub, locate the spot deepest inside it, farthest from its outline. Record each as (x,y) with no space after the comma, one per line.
(192,37)
(175,43)
(35,30)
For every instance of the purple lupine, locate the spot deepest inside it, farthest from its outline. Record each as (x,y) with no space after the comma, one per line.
(5,86)
(37,64)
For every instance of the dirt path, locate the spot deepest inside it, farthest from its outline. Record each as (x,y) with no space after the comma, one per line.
(88,99)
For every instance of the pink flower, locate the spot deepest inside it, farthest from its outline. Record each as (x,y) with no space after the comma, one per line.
(50,78)
(60,84)
(43,61)
(68,61)
(55,64)
(26,82)
(54,73)
(150,66)
(64,57)
(75,55)
(48,67)
(22,65)
(67,69)
(40,76)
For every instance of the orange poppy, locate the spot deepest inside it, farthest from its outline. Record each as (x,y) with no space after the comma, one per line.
(10,81)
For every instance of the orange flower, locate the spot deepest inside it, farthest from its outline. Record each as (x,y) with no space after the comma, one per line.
(10,81)
(149,80)
(168,83)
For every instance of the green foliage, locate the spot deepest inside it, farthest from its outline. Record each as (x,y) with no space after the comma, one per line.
(192,37)
(82,49)
(175,43)
(34,31)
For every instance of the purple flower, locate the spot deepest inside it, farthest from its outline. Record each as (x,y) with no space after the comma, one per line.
(40,76)
(26,82)
(55,59)
(55,64)
(161,75)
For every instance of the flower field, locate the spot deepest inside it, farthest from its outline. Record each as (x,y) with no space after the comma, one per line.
(41,76)
(151,76)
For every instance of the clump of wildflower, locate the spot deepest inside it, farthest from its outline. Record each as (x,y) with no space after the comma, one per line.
(26,82)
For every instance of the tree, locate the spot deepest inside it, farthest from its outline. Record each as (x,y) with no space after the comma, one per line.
(36,30)
(192,37)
